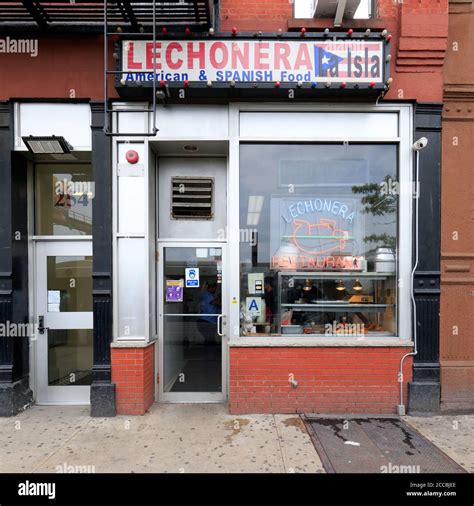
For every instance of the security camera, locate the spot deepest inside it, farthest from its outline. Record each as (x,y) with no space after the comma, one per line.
(420,144)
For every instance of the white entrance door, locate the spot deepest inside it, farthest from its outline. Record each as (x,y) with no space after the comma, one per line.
(192,321)
(63,312)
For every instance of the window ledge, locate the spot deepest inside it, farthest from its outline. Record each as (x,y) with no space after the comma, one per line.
(319,24)
(132,343)
(298,341)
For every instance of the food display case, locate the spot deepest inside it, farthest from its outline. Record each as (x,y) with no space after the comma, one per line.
(336,303)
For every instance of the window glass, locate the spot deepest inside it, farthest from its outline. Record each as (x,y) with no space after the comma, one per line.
(64,196)
(318,249)
(69,284)
(70,357)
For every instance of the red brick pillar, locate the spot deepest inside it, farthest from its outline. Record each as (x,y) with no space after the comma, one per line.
(133,372)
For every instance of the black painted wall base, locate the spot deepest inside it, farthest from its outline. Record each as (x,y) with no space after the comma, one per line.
(15,397)
(103,399)
(423,398)
(424,392)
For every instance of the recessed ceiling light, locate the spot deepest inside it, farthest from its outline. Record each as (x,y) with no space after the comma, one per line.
(190,147)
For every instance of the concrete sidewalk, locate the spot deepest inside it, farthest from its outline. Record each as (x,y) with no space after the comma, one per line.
(186,438)
(174,438)
(452,434)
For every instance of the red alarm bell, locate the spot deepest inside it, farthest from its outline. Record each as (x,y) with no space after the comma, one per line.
(131,156)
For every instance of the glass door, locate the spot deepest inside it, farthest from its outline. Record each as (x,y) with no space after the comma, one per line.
(192,302)
(64,320)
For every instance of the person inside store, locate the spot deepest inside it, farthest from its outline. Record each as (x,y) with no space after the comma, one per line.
(270,301)
(210,305)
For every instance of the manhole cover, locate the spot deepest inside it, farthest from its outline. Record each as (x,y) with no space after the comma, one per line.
(375,445)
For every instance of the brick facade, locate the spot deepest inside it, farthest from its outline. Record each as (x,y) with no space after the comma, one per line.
(133,374)
(457,231)
(330,380)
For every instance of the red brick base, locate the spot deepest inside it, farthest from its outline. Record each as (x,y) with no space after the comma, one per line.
(330,380)
(133,375)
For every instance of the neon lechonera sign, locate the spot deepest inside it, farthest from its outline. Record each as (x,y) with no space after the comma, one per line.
(318,235)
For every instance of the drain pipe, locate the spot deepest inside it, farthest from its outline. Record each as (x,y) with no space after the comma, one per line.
(417,147)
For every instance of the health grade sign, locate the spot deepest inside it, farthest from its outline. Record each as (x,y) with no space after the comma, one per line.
(352,61)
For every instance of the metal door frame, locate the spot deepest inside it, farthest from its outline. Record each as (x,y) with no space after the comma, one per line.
(45,394)
(191,397)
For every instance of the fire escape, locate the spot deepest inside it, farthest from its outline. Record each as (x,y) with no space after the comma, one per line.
(116,20)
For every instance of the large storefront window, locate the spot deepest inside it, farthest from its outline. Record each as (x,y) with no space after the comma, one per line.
(64,196)
(319,229)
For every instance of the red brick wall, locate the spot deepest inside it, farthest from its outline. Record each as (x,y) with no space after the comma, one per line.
(133,375)
(249,15)
(73,68)
(65,68)
(330,380)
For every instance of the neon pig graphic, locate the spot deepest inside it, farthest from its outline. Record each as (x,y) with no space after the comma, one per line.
(319,238)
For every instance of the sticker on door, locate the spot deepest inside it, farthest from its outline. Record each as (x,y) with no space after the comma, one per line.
(192,277)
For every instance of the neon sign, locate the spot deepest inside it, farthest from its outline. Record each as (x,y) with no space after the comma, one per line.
(315,234)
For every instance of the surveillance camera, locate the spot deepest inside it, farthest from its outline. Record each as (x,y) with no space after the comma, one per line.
(420,144)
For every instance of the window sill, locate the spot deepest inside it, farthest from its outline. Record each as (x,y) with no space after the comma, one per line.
(317,24)
(316,342)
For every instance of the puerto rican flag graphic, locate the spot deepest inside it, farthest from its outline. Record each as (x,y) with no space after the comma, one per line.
(347,62)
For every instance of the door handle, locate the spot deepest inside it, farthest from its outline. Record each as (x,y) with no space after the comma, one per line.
(41,327)
(219,325)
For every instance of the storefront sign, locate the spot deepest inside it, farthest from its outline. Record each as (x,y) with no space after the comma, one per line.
(316,233)
(239,60)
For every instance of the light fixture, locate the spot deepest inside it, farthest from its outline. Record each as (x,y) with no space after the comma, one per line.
(190,147)
(357,286)
(340,285)
(50,144)
(308,284)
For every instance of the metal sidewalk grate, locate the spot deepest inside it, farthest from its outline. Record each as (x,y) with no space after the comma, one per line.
(375,445)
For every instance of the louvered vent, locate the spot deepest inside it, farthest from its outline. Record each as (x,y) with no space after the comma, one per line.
(192,198)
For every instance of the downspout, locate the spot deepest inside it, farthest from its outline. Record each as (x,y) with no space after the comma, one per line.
(417,146)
